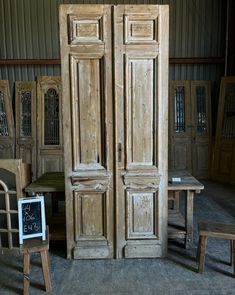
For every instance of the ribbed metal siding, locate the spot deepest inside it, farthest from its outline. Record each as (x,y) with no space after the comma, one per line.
(29,29)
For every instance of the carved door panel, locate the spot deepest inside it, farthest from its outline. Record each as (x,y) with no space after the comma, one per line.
(49,125)
(141,84)
(180,151)
(86,48)
(190,127)
(124,158)
(201,132)
(7,130)
(25,93)
(224,158)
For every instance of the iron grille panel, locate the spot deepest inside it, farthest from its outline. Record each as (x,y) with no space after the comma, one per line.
(201,109)
(179,97)
(51,113)
(3,117)
(26,128)
(228,130)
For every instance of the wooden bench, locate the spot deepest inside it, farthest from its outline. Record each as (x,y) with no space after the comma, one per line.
(36,245)
(215,230)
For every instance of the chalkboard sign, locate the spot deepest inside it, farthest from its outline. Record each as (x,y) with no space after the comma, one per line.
(31,214)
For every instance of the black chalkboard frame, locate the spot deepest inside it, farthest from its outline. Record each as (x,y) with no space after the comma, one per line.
(21,203)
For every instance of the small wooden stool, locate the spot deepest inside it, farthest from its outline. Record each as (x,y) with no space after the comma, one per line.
(215,230)
(33,246)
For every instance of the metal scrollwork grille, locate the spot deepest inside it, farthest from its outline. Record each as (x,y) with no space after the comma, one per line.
(229,112)
(25,113)
(179,97)
(201,109)
(51,113)
(3,117)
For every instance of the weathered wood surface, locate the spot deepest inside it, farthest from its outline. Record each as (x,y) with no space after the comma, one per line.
(86,61)
(36,245)
(202,130)
(141,41)
(223,168)
(49,132)
(188,182)
(190,127)
(48,182)
(115,128)
(176,225)
(14,177)
(7,130)
(182,227)
(25,113)
(215,230)
(53,183)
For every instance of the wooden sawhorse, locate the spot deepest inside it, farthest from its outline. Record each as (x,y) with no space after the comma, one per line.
(215,230)
(36,245)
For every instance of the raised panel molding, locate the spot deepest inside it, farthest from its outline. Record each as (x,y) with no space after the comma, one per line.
(190,127)
(224,150)
(96,181)
(49,125)
(25,94)
(88,100)
(85,29)
(141,221)
(141,180)
(140,114)
(141,28)
(7,130)
(114,62)
(90,216)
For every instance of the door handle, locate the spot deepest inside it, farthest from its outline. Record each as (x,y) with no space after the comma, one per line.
(119,152)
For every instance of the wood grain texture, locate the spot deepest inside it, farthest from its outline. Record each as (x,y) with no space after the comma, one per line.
(49,156)
(215,230)
(223,168)
(141,53)
(10,190)
(7,136)
(190,127)
(25,100)
(114,76)
(88,128)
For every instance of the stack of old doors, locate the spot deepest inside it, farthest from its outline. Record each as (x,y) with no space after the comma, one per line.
(39,124)
(115,106)
(190,127)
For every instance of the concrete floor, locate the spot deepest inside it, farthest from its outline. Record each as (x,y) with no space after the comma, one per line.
(175,275)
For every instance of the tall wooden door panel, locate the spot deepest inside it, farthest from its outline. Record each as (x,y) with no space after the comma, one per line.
(25,94)
(224,158)
(141,129)
(7,130)
(112,159)
(49,125)
(201,132)
(88,129)
(190,127)
(180,154)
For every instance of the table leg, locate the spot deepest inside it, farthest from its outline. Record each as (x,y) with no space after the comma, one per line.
(189,218)
(26,273)
(176,200)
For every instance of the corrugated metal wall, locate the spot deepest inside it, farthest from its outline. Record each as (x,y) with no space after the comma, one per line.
(29,30)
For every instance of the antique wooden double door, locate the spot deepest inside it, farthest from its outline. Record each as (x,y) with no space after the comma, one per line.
(115,99)
(190,127)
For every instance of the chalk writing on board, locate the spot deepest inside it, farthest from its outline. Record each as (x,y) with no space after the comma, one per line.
(31,218)
(31,213)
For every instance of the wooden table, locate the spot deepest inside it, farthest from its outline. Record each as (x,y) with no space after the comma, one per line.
(49,182)
(53,183)
(181,226)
